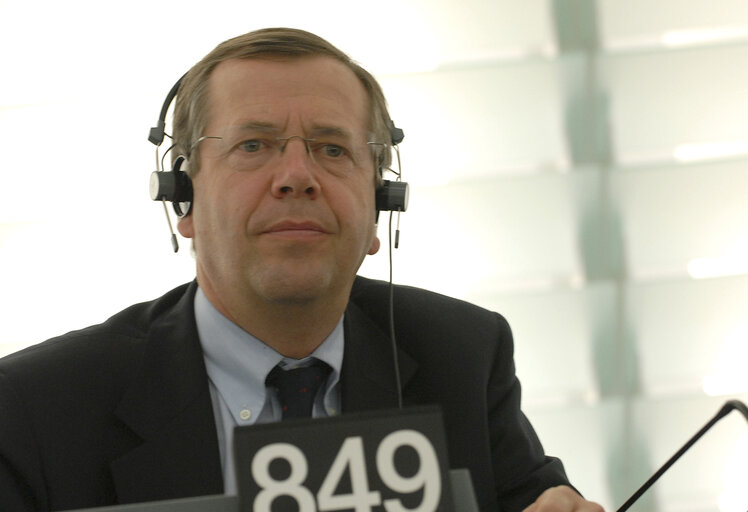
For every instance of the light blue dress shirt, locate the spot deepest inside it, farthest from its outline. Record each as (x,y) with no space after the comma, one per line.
(237,364)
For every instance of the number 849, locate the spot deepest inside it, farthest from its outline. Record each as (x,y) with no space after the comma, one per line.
(351,457)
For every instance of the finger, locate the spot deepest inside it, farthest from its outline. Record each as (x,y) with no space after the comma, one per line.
(531,508)
(563,499)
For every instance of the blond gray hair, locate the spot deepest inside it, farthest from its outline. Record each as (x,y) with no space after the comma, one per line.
(191,108)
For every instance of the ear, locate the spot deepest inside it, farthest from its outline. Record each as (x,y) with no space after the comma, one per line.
(374,246)
(186,226)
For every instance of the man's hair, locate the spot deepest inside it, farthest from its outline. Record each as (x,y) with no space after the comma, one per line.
(191,109)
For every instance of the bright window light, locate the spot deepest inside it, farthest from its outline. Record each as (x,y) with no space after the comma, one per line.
(710,150)
(690,37)
(729,375)
(705,268)
(725,383)
(733,498)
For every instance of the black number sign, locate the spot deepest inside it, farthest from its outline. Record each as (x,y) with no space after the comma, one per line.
(388,461)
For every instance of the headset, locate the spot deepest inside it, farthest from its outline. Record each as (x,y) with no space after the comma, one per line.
(175,186)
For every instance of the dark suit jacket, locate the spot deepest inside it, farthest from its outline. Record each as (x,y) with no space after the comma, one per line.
(120,412)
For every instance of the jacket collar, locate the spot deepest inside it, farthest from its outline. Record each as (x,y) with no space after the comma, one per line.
(168,405)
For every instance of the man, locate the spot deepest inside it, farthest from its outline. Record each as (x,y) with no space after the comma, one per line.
(285,138)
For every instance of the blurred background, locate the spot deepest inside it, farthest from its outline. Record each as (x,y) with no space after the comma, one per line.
(579,166)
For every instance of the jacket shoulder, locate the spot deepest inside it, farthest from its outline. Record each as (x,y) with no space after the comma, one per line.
(425,315)
(111,340)
(373,296)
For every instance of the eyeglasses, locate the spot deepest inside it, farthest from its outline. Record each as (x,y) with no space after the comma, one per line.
(334,152)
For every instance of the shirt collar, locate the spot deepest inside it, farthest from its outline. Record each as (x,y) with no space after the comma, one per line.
(237,362)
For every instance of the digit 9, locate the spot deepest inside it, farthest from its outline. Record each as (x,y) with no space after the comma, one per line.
(427,477)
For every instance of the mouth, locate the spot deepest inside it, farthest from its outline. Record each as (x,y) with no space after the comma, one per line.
(296,230)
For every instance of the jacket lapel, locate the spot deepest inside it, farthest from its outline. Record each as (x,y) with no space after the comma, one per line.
(368,378)
(168,405)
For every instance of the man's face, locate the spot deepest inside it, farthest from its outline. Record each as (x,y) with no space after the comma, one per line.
(281,227)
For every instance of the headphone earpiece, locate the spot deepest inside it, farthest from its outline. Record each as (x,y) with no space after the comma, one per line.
(174,186)
(392,196)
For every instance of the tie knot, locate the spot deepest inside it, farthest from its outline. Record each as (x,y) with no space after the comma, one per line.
(297,388)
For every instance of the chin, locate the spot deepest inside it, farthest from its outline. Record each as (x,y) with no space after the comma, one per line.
(288,289)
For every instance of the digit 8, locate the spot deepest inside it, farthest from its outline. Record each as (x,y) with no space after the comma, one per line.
(291,486)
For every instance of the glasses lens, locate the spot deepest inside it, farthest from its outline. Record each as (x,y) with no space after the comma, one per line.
(252,149)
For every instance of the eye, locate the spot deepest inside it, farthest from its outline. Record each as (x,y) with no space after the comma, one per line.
(333,150)
(251,146)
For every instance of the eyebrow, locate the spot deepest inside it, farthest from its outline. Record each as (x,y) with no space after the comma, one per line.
(330,131)
(317,130)
(259,126)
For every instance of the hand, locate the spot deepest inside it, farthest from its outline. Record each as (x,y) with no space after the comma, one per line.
(562,499)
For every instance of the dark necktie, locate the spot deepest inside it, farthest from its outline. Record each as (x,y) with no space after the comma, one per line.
(298,387)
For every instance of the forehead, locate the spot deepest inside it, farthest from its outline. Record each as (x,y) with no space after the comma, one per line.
(310,90)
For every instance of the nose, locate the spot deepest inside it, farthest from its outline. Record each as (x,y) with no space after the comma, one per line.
(294,176)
